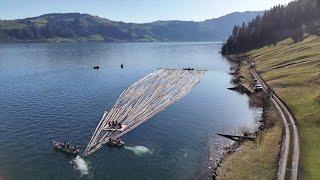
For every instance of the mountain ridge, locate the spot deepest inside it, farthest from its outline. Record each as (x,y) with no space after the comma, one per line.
(58,27)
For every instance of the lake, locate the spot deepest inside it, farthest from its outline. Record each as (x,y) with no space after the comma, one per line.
(49,91)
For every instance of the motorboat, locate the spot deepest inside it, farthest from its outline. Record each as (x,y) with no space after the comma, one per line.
(65,148)
(188,69)
(115,143)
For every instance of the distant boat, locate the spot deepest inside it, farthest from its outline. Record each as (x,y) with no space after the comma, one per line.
(96,67)
(65,148)
(121,66)
(188,69)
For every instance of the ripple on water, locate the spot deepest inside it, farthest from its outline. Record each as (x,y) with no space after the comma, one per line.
(80,165)
(139,150)
(50,92)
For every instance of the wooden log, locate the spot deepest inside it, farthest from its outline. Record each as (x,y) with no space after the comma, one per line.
(238,138)
(142,100)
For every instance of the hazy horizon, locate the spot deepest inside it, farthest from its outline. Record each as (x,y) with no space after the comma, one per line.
(134,22)
(135,12)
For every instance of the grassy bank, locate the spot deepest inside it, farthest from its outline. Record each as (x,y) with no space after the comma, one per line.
(259,159)
(293,71)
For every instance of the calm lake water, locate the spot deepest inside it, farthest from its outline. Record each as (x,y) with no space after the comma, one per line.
(51,92)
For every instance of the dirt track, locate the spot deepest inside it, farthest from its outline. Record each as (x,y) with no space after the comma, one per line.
(288,123)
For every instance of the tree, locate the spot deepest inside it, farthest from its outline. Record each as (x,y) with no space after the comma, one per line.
(277,24)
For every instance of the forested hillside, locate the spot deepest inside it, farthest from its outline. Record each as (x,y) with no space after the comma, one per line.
(84,27)
(279,23)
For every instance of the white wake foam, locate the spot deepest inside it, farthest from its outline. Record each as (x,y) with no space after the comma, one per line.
(80,165)
(139,150)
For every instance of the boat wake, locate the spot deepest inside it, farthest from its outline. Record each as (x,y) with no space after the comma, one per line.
(139,150)
(80,165)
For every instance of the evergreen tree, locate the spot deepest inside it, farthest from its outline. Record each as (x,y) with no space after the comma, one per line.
(277,24)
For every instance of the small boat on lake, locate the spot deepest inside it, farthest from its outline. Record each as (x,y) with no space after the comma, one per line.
(66,148)
(188,69)
(96,67)
(115,143)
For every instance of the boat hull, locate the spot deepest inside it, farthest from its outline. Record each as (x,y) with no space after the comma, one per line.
(115,144)
(60,147)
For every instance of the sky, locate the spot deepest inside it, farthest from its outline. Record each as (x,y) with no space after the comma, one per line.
(135,10)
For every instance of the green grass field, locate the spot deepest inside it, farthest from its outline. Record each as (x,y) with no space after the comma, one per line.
(255,160)
(293,71)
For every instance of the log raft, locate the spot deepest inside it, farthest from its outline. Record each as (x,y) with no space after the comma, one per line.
(142,100)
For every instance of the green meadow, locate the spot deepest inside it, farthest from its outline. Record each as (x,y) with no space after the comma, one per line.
(292,69)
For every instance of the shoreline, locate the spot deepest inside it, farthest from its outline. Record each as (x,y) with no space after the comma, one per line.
(237,65)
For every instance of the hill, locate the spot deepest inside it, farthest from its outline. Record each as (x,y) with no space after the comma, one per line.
(284,44)
(292,69)
(85,27)
(277,24)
